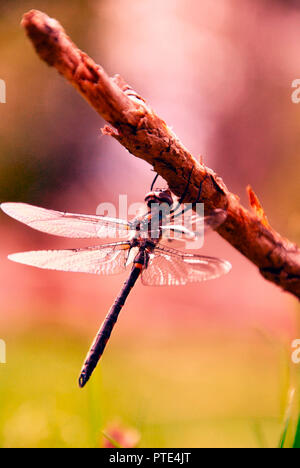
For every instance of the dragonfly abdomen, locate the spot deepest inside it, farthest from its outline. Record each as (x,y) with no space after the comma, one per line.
(107,326)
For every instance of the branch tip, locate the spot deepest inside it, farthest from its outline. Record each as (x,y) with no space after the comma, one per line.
(256,206)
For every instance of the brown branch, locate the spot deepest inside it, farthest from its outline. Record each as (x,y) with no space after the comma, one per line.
(145,135)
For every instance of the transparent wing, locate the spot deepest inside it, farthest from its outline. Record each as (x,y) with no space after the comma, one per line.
(171,241)
(67,224)
(210,222)
(170,267)
(108,259)
(188,225)
(175,232)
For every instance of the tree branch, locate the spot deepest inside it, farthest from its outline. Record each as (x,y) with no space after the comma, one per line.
(136,126)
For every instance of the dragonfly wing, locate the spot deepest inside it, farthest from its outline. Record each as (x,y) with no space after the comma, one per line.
(208,223)
(108,259)
(171,241)
(190,224)
(177,232)
(170,267)
(67,224)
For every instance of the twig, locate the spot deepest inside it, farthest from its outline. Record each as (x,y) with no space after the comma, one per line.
(137,127)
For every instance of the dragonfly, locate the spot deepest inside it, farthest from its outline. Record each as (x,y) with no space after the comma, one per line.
(146,246)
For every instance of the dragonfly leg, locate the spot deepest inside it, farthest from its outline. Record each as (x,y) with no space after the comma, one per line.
(154,180)
(180,213)
(185,210)
(200,190)
(179,203)
(186,187)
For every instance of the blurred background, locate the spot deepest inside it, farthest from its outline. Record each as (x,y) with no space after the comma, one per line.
(205,365)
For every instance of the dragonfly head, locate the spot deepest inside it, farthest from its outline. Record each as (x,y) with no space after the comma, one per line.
(159,196)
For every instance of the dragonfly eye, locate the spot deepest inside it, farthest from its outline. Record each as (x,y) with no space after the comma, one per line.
(159,196)
(165,196)
(152,197)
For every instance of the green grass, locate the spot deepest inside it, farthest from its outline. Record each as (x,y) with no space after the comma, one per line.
(209,391)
